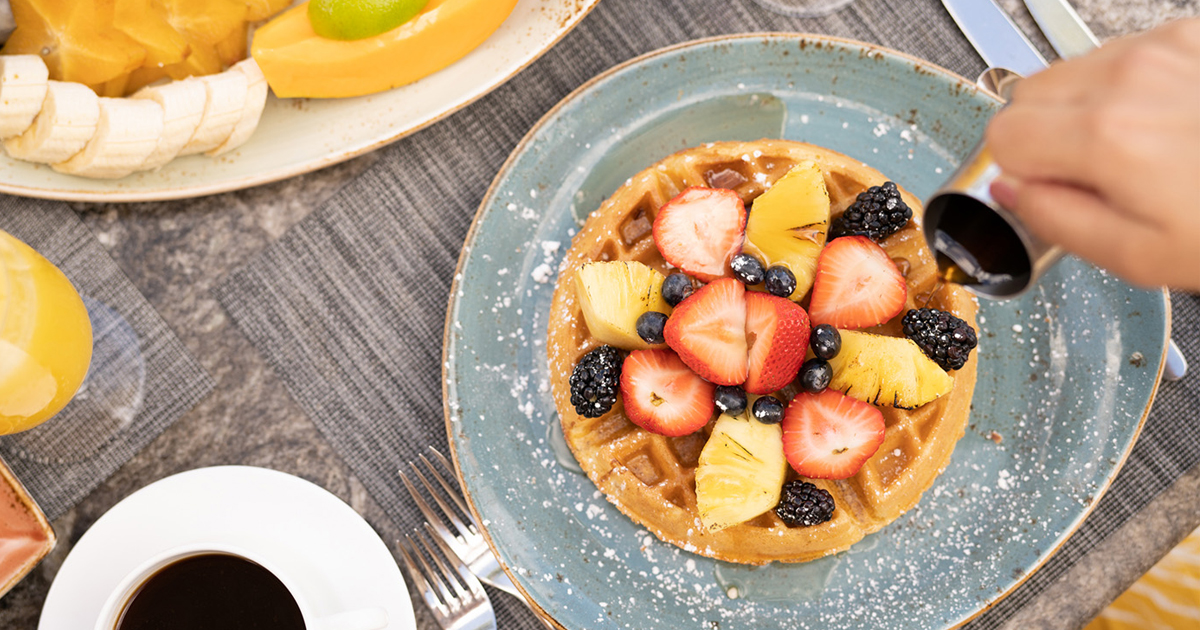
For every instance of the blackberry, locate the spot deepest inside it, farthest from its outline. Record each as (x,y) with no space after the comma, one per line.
(768,410)
(747,269)
(676,287)
(815,375)
(650,326)
(943,337)
(780,281)
(825,342)
(596,381)
(877,214)
(730,399)
(801,504)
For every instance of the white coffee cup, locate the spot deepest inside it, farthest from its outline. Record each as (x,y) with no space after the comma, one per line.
(110,614)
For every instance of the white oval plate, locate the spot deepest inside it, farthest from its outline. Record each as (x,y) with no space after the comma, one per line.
(301,135)
(336,558)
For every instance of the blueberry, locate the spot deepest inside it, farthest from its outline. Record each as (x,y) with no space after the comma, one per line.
(815,375)
(730,399)
(826,341)
(747,269)
(676,287)
(650,327)
(780,281)
(768,410)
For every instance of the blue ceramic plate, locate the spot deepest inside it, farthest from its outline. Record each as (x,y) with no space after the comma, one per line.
(1066,374)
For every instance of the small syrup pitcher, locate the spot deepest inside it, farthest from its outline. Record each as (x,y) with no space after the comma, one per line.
(978,243)
(983,246)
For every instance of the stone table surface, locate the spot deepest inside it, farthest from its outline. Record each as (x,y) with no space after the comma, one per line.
(176,252)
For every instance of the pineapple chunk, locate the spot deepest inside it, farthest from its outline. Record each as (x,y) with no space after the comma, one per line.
(888,371)
(788,223)
(613,295)
(741,471)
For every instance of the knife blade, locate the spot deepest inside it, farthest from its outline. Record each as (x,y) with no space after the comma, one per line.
(994,36)
(1068,34)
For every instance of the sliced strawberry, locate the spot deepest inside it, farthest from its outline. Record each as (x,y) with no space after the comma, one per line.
(777,336)
(662,395)
(701,230)
(857,285)
(708,330)
(830,435)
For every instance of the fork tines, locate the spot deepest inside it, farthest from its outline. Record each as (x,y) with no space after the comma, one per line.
(466,531)
(448,586)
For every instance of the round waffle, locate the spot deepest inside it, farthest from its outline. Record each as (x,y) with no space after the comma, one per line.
(651,478)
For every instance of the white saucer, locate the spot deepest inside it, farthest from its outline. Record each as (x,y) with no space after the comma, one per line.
(335,557)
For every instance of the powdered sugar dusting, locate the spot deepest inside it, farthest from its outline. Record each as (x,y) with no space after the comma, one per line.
(1055,381)
(996,507)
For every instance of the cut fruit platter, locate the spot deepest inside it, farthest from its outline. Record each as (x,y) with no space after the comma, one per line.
(121,82)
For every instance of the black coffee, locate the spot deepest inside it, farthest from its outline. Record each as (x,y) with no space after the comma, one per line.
(213,591)
(975,246)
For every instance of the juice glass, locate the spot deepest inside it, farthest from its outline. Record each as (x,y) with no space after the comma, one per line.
(45,337)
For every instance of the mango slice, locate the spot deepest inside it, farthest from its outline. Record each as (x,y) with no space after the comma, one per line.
(299,63)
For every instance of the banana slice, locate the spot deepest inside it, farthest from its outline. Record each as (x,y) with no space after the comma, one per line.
(256,99)
(22,89)
(182,103)
(62,128)
(126,134)
(223,104)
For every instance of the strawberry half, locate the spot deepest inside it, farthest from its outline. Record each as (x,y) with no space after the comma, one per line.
(857,285)
(830,435)
(700,231)
(662,395)
(777,337)
(708,330)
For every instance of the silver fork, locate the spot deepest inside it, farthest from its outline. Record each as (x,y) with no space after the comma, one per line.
(465,540)
(458,601)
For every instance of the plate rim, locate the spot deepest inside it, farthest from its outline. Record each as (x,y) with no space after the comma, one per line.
(336,157)
(544,120)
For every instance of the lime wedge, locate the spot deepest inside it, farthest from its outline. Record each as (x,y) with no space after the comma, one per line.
(359,19)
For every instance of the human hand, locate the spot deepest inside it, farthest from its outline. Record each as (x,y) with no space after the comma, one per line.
(1101,155)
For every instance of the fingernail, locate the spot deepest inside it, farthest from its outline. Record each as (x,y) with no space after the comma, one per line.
(1004,191)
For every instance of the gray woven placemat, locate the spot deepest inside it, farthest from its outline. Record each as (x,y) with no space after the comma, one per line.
(348,307)
(141,378)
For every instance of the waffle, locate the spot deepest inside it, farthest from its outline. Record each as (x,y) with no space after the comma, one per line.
(651,478)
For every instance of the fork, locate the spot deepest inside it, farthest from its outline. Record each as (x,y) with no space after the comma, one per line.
(458,601)
(465,540)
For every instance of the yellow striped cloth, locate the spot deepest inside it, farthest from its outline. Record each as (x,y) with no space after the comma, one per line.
(1166,598)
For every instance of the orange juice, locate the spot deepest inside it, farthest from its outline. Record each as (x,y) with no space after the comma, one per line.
(45,338)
